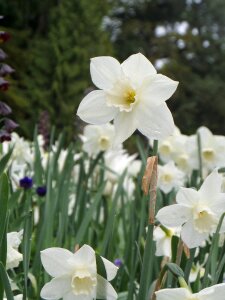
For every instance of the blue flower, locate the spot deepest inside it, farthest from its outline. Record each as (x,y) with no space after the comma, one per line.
(118,262)
(41,191)
(26,182)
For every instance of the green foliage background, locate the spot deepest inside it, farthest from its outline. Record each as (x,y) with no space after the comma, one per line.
(52,42)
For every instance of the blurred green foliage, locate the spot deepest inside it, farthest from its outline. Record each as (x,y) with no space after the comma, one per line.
(53,41)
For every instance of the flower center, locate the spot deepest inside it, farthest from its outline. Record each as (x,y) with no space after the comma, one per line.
(83,283)
(182,161)
(204,220)
(122,95)
(165,149)
(167,178)
(129,97)
(104,143)
(208,154)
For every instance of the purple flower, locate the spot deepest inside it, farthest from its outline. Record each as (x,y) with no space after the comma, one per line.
(26,183)
(118,262)
(4,36)
(10,125)
(4,85)
(5,70)
(41,191)
(3,55)
(4,136)
(4,109)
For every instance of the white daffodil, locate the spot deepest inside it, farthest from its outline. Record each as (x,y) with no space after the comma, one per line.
(14,257)
(170,177)
(166,147)
(75,275)
(132,94)
(98,138)
(198,212)
(212,149)
(17,297)
(196,270)
(215,292)
(163,237)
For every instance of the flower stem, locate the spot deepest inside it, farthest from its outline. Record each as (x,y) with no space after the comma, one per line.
(148,252)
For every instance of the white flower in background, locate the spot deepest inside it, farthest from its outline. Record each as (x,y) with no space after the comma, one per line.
(117,162)
(215,292)
(14,257)
(196,270)
(75,275)
(22,150)
(72,201)
(163,237)
(98,138)
(17,297)
(170,177)
(132,94)
(166,146)
(198,212)
(213,149)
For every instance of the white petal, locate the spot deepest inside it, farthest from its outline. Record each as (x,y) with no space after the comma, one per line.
(173,294)
(187,197)
(85,256)
(157,89)
(56,288)
(55,261)
(173,215)
(111,269)
(211,186)
(93,109)
(71,296)
(137,67)
(213,292)
(191,237)
(105,70)
(125,125)
(155,122)
(105,290)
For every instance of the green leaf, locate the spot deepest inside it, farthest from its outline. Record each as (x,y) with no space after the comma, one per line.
(175,270)
(4,192)
(5,282)
(4,160)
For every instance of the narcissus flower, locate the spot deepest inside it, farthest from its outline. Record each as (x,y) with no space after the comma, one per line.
(75,275)
(170,177)
(98,138)
(14,257)
(198,212)
(215,292)
(132,94)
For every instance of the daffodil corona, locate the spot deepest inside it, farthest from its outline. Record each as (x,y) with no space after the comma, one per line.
(132,94)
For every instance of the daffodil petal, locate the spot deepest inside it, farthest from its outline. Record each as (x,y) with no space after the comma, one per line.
(56,288)
(173,294)
(55,261)
(111,269)
(155,122)
(125,125)
(173,215)
(191,237)
(71,296)
(86,256)
(157,89)
(93,109)
(187,196)
(105,70)
(105,290)
(211,186)
(213,292)
(137,67)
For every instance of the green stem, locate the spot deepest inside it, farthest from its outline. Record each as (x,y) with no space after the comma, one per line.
(146,271)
